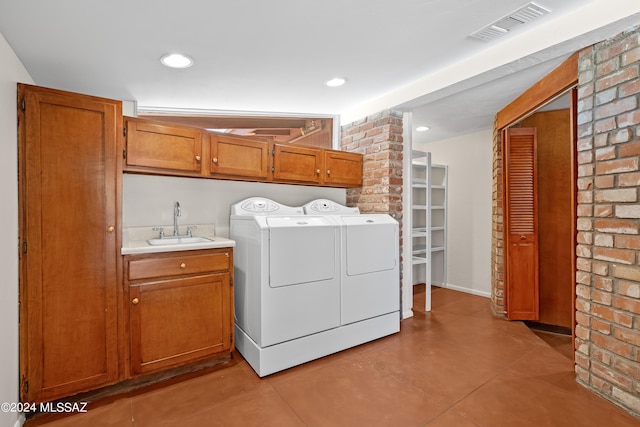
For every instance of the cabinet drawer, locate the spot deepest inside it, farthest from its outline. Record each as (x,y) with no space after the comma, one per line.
(148,268)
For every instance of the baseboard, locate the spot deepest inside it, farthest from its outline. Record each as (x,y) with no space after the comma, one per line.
(20,421)
(467,290)
(407,314)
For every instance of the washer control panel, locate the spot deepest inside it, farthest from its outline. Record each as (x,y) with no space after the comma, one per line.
(263,206)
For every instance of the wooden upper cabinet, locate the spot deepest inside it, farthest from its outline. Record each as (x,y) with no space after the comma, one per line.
(342,168)
(239,157)
(297,164)
(69,202)
(162,147)
(166,149)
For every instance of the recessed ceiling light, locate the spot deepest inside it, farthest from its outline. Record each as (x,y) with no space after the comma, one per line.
(176,60)
(422,128)
(338,81)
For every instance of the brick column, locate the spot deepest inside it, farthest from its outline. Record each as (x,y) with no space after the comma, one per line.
(379,139)
(608,241)
(497,239)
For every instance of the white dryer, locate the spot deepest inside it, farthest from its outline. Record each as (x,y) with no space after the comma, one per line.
(370,277)
(287,283)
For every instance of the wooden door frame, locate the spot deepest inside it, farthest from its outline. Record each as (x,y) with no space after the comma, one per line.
(562,79)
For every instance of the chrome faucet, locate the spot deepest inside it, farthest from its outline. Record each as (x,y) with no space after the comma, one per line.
(176,213)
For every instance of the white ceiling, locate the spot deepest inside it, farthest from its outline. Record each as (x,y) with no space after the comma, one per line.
(274,56)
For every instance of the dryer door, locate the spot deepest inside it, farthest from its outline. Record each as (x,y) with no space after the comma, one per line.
(301,250)
(371,243)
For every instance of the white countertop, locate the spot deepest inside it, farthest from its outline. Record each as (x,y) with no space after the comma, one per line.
(134,240)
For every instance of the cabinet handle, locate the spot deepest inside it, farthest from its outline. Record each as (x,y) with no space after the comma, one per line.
(328,171)
(215,160)
(135,301)
(183,265)
(318,171)
(198,159)
(111,229)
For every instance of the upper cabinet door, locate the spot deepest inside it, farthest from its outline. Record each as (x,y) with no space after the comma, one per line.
(342,168)
(239,157)
(69,202)
(162,146)
(294,163)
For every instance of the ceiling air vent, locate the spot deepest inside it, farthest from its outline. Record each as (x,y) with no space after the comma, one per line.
(502,26)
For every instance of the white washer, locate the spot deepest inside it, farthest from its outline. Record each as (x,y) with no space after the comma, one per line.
(370,277)
(287,283)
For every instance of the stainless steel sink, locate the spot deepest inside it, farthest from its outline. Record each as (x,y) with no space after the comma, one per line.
(178,241)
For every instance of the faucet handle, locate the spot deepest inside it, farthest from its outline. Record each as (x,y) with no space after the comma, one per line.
(189,228)
(161,230)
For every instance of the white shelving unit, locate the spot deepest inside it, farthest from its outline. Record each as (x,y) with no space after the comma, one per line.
(428,222)
(438,190)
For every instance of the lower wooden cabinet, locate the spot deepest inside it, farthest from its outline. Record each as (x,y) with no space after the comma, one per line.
(180,307)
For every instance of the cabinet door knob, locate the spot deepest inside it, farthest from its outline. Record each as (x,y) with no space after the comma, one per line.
(318,171)
(215,160)
(183,265)
(328,171)
(198,159)
(135,301)
(111,229)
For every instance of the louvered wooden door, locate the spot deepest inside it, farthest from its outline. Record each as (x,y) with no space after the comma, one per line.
(521,224)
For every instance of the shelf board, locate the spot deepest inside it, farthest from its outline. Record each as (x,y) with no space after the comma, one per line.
(419,249)
(419,207)
(417,260)
(437,207)
(438,187)
(437,228)
(437,249)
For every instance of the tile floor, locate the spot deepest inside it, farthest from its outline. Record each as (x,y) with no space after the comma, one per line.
(456,366)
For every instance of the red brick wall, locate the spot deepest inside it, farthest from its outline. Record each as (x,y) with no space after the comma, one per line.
(379,139)
(608,250)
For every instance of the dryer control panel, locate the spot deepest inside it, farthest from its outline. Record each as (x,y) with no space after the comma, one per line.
(328,207)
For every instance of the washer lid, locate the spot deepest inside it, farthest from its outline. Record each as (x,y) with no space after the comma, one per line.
(301,250)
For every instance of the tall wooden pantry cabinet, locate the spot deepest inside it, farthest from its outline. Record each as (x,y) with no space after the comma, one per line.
(69,241)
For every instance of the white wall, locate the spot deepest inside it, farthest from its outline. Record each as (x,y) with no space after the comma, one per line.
(469,158)
(149,200)
(11,72)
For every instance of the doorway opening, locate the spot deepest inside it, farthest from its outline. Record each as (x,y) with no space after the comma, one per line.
(553,215)
(555,198)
